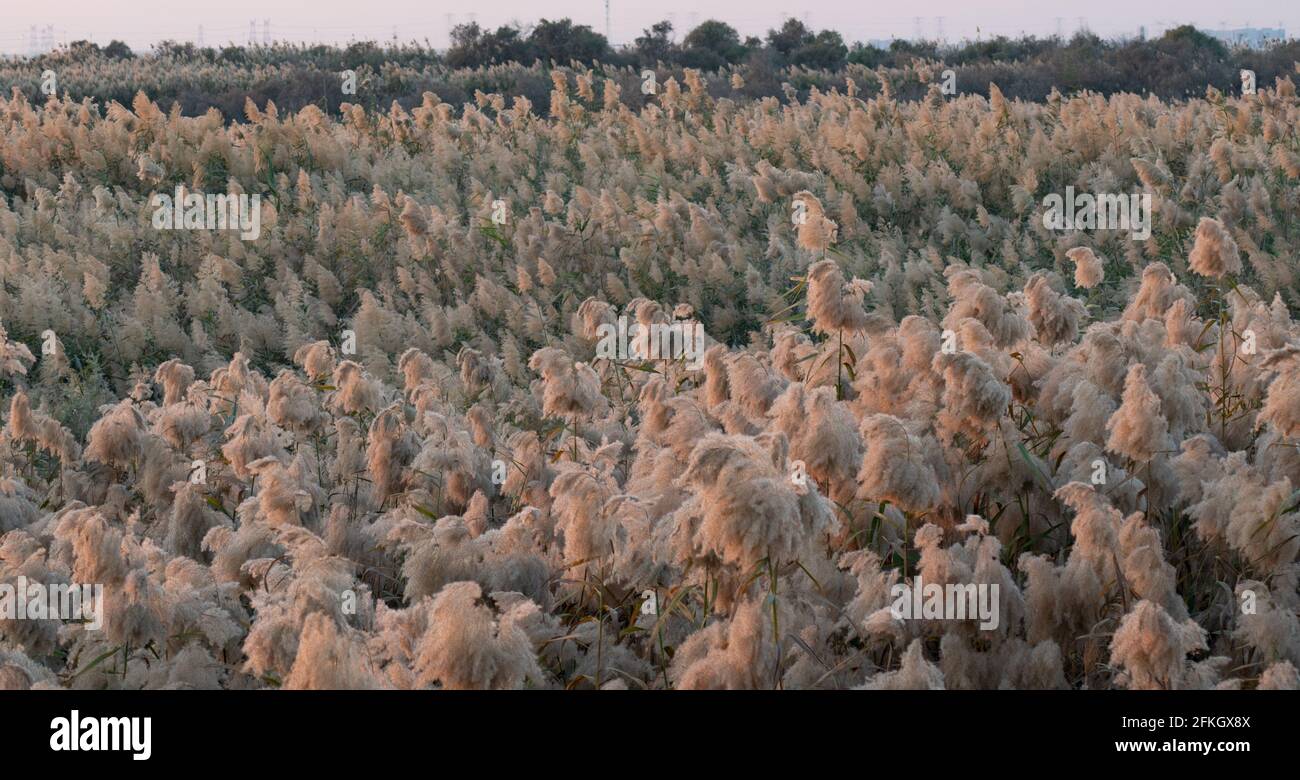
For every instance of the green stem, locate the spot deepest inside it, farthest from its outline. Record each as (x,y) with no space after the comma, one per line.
(776,631)
(839,366)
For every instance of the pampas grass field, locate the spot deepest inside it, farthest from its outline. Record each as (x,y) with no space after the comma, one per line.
(379,446)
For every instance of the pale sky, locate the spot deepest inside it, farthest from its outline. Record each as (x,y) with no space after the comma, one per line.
(143,22)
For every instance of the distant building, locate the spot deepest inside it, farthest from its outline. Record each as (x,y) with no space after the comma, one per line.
(1250,37)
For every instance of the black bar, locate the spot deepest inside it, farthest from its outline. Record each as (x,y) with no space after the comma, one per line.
(988,730)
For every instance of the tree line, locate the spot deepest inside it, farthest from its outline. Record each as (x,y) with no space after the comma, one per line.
(513,60)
